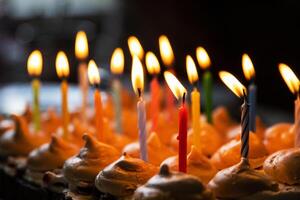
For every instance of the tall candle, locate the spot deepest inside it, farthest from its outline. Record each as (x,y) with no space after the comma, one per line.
(82,52)
(293,84)
(297,121)
(167,56)
(117,68)
(36,104)
(94,78)
(137,78)
(245,128)
(239,90)
(249,73)
(62,70)
(34,67)
(195,98)
(141,109)
(64,107)
(153,68)
(205,63)
(180,92)
(182,136)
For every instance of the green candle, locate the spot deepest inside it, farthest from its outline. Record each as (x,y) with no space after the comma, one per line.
(34,67)
(36,104)
(204,62)
(207,87)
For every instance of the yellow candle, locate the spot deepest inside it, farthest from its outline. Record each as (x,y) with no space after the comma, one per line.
(195,95)
(64,107)
(62,70)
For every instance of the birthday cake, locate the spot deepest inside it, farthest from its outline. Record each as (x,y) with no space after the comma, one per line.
(142,148)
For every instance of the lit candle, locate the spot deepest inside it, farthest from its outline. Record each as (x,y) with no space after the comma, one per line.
(293,84)
(239,90)
(34,67)
(180,92)
(117,68)
(249,73)
(167,56)
(205,63)
(153,68)
(135,47)
(81,53)
(62,70)
(94,78)
(137,79)
(195,97)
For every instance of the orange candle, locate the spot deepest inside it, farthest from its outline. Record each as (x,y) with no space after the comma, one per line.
(94,78)
(153,68)
(167,56)
(62,70)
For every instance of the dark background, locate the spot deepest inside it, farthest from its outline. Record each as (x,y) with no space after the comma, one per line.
(267,31)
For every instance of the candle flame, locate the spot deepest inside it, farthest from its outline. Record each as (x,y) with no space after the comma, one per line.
(232,83)
(62,65)
(174,84)
(203,58)
(166,51)
(117,61)
(191,69)
(152,63)
(35,63)
(289,77)
(248,67)
(81,45)
(93,73)
(135,47)
(137,75)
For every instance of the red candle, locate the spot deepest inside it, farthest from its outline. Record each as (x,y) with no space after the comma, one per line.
(182,136)
(169,103)
(180,92)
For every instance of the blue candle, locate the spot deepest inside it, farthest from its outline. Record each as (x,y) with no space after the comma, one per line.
(252,102)
(141,109)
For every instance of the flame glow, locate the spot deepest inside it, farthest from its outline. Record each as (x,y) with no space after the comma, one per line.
(62,65)
(93,73)
(203,58)
(166,51)
(289,77)
(248,67)
(232,83)
(35,63)
(81,45)
(135,47)
(117,61)
(174,84)
(152,63)
(191,69)
(137,74)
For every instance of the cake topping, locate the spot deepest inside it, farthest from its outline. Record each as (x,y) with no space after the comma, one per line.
(240,181)
(52,155)
(154,145)
(92,158)
(283,166)
(173,185)
(197,165)
(122,177)
(20,141)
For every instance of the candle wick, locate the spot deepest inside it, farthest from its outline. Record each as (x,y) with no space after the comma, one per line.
(183,98)
(139,92)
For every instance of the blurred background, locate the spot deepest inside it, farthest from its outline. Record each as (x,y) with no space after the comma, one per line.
(268,32)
